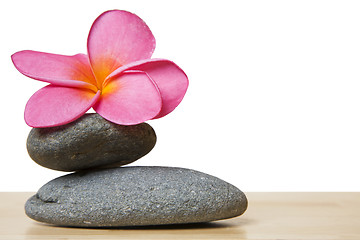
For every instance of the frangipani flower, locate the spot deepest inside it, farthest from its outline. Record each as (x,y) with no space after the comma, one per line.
(117,78)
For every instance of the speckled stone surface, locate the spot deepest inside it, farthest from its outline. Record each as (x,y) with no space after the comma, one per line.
(135,196)
(89,142)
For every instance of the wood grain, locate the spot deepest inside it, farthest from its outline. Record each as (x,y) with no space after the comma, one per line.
(270,216)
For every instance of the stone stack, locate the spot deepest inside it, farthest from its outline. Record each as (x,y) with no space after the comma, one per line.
(100,193)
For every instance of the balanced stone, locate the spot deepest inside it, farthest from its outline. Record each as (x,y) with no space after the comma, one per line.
(89,142)
(135,196)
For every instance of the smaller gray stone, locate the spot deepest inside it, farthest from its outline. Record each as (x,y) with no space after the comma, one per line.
(135,196)
(89,142)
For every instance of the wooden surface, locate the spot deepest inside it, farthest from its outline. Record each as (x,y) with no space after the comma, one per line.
(280,216)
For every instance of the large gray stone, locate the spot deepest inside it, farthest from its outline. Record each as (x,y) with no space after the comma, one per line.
(135,196)
(89,142)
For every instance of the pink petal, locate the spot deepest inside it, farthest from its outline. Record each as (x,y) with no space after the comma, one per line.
(117,38)
(129,99)
(55,105)
(169,78)
(71,71)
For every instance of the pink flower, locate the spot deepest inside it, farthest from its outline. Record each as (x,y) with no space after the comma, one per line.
(117,78)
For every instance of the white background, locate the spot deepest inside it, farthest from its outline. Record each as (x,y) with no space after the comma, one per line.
(274,96)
